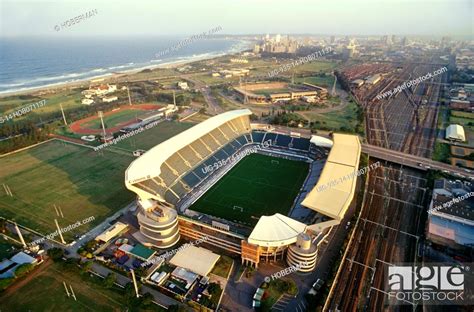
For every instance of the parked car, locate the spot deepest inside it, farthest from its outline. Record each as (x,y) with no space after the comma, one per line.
(318,284)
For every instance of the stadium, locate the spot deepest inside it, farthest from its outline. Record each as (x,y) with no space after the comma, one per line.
(250,189)
(273,92)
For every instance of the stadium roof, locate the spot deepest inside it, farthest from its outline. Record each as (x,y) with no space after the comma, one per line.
(276,230)
(455,132)
(142,252)
(112,231)
(195,259)
(335,189)
(321,141)
(148,165)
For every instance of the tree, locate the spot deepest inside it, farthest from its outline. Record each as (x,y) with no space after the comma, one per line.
(55,253)
(176,308)
(214,288)
(23,269)
(5,282)
(147,300)
(110,280)
(86,266)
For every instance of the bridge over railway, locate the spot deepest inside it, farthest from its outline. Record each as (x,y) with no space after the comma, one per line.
(413,161)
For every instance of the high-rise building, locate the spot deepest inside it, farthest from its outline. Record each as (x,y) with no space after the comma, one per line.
(404,41)
(393,39)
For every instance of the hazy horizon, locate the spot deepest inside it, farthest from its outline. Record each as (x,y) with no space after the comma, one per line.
(121,18)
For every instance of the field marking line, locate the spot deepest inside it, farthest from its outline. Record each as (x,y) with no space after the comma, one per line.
(84,288)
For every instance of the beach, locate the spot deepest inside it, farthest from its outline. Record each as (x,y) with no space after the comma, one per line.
(18,83)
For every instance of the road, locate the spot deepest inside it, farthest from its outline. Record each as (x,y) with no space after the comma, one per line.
(327,256)
(92,234)
(214,108)
(415,161)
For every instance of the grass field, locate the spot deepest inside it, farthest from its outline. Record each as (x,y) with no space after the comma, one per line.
(198,118)
(333,121)
(45,292)
(259,185)
(223,266)
(270,91)
(82,182)
(441,152)
(462,114)
(151,137)
(326,82)
(114,120)
(69,99)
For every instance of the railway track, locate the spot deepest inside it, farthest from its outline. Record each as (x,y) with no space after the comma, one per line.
(387,233)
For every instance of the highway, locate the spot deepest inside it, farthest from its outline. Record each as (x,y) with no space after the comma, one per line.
(214,107)
(415,161)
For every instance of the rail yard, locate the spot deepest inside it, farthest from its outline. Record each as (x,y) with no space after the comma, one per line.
(404,121)
(386,233)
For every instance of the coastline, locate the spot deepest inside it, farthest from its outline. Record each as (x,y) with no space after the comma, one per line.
(108,77)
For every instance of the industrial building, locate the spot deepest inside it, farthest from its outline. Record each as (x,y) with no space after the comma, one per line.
(451,217)
(455,133)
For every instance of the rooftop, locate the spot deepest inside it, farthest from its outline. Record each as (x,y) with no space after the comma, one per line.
(276,230)
(195,259)
(343,161)
(148,165)
(142,252)
(455,132)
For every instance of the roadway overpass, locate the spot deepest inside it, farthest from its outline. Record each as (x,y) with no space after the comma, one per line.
(417,162)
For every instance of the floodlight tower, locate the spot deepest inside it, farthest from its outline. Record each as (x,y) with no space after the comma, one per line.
(129,98)
(64,116)
(101,115)
(59,231)
(20,235)
(135,283)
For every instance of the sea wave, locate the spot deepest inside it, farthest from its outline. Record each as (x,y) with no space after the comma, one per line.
(49,81)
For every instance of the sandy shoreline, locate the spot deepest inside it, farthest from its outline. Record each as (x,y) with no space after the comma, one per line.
(107,77)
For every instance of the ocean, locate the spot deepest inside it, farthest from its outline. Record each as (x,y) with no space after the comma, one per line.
(35,62)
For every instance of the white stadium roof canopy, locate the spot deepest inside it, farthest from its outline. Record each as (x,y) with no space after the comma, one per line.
(148,165)
(455,132)
(276,230)
(343,161)
(321,141)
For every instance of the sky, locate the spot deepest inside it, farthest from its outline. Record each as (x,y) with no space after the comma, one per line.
(185,17)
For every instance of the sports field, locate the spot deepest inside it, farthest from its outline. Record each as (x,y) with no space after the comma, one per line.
(45,292)
(154,136)
(258,185)
(270,91)
(116,119)
(82,182)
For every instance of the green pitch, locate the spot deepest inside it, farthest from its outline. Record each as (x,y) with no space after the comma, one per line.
(45,292)
(115,119)
(154,136)
(82,182)
(258,185)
